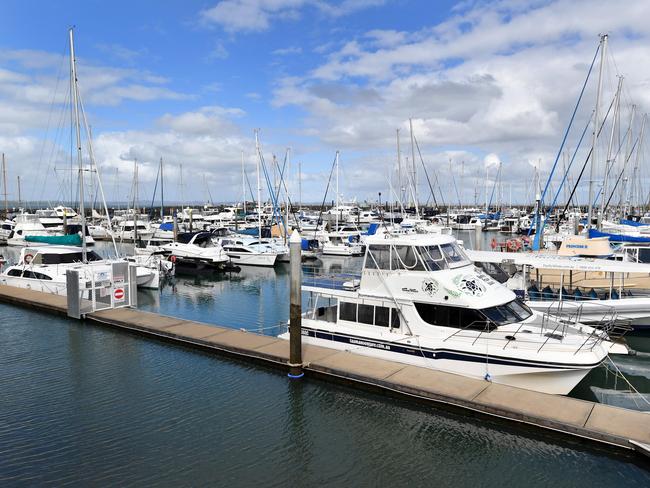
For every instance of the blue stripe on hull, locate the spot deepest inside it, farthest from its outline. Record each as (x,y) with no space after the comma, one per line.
(433,353)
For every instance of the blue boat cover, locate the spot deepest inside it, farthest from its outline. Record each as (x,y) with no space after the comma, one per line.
(618,237)
(633,223)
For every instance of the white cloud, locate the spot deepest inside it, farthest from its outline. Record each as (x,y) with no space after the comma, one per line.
(258,15)
(497,77)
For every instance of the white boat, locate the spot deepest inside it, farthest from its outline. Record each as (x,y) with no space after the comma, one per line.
(421,301)
(337,245)
(29,226)
(597,291)
(44,269)
(199,248)
(130,230)
(6,228)
(248,251)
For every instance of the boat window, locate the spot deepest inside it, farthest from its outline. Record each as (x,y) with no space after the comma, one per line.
(70,257)
(348,311)
(328,311)
(35,275)
(521,309)
(454,255)
(644,256)
(494,271)
(366,314)
(14,272)
(378,257)
(432,257)
(394,318)
(507,313)
(382,316)
(456,317)
(404,257)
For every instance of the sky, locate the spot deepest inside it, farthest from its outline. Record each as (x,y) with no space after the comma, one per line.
(482,82)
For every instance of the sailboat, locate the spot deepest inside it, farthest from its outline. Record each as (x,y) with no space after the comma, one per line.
(45,267)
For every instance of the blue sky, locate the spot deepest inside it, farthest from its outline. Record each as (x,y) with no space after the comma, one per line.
(189,81)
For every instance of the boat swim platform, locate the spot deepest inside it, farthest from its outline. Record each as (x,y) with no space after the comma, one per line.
(627,429)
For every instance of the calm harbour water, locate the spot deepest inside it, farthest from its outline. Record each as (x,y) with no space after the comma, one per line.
(85,405)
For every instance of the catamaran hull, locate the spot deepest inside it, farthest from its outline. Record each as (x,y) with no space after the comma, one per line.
(545,378)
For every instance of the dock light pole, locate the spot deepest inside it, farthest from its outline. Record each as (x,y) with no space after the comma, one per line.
(295,311)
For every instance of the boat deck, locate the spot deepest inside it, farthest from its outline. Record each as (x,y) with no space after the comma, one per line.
(601,423)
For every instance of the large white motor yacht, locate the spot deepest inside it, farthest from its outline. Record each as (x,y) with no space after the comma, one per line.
(421,301)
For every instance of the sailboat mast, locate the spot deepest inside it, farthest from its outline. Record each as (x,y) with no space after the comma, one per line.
(603,47)
(608,161)
(415,171)
(162,191)
(75,106)
(300,185)
(20,200)
(337,190)
(259,187)
(4,183)
(243,182)
(400,190)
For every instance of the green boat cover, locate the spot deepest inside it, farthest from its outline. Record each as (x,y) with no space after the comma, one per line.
(69,240)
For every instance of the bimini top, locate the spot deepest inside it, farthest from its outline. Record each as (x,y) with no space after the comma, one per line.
(542,260)
(410,239)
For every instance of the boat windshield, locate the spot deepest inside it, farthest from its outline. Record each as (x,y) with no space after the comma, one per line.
(454,255)
(69,258)
(508,313)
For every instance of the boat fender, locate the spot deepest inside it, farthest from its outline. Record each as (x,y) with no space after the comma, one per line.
(172,259)
(493,243)
(28,258)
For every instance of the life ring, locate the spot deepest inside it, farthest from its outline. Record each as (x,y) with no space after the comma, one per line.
(28,258)
(493,243)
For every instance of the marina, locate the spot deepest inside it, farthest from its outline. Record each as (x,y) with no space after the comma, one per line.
(381,238)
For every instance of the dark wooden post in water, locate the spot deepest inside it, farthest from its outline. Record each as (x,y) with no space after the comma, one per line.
(295,312)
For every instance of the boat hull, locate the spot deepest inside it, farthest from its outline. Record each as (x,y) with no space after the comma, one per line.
(542,378)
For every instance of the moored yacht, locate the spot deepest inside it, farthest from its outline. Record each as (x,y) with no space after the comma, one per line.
(249,251)
(197,248)
(421,301)
(44,269)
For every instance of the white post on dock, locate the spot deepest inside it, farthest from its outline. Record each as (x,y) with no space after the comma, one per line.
(295,311)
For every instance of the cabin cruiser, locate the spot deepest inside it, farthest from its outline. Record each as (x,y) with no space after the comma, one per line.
(130,230)
(198,248)
(421,301)
(249,251)
(28,231)
(342,245)
(6,227)
(67,212)
(44,269)
(597,291)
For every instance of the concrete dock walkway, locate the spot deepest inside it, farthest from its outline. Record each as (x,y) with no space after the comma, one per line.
(602,423)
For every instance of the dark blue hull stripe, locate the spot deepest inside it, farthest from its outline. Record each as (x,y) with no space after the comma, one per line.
(379,345)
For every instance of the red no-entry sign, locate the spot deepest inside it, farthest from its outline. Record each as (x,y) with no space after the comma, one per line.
(118,294)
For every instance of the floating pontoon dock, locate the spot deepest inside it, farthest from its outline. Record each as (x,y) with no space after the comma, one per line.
(624,428)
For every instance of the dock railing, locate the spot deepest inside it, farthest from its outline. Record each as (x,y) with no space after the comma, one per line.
(338,281)
(98,287)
